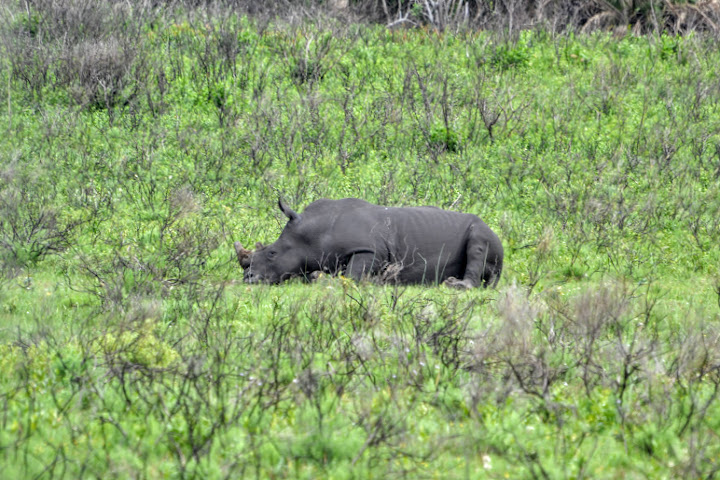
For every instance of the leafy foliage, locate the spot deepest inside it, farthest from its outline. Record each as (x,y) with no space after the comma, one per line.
(141,145)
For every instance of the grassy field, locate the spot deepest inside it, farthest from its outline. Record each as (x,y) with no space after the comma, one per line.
(139,144)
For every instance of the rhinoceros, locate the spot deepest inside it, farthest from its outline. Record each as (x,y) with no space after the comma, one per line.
(404,245)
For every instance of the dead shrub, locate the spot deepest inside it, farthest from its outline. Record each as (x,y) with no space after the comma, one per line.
(99,72)
(30,61)
(183,202)
(697,353)
(74,21)
(518,315)
(645,16)
(596,309)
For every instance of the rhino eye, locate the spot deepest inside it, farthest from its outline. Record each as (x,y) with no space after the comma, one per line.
(271,253)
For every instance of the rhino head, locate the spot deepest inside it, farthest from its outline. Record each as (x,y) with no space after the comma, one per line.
(289,256)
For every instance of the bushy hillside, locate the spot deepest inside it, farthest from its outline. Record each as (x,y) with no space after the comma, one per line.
(140,141)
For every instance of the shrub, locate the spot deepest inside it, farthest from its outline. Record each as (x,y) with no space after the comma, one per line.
(99,73)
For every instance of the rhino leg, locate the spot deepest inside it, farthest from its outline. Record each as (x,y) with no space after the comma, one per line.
(455,283)
(479,269)
(361,265)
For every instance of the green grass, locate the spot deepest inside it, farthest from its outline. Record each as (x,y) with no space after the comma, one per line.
(130,348)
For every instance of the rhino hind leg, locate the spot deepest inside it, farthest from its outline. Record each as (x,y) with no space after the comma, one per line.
(483,265)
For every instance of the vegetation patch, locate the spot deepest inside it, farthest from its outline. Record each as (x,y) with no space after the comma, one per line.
(140,141)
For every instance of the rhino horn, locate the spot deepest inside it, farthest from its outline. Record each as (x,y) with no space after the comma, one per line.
(258,245)
(243,255)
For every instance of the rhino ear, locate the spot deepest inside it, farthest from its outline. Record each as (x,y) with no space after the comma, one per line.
(292,216)
(243,255)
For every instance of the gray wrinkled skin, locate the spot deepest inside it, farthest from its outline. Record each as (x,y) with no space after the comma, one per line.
(409,245)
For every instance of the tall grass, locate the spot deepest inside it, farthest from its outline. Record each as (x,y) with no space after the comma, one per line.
(141,140)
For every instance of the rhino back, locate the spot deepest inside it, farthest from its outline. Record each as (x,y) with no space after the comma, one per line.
(428,243)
